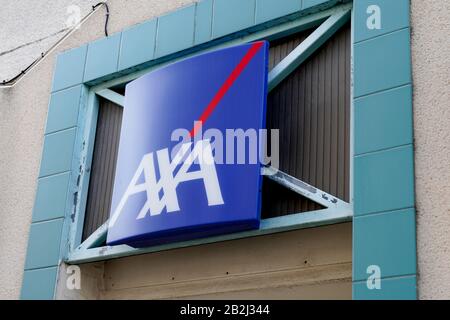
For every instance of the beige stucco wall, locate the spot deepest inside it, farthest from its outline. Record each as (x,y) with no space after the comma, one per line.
(303,264)
(24,107)
(431,76)
(20,49)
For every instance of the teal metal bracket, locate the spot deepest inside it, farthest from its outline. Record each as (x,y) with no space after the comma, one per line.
(307,47)
(268,226)
(112,96)
(308,191)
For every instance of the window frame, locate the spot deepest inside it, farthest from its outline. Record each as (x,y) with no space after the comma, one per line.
(328,22)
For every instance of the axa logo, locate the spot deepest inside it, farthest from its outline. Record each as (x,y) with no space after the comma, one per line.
(168,182)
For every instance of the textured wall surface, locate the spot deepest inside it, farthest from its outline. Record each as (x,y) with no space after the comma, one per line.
(23,111)
(431,78)
(303,264)
(31,27)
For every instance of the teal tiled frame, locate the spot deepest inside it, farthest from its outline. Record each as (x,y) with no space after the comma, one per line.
(384,231)
(384,217)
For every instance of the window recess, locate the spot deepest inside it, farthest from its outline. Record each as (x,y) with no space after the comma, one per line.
(308,101)
(311,108)
(103,166)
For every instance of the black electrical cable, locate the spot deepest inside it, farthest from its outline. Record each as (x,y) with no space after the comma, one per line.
(107,14)
(11,81)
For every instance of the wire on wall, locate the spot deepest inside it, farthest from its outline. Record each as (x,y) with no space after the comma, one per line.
(107,14)
(11,82)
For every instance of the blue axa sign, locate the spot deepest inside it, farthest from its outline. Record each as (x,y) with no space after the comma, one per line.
(166,190)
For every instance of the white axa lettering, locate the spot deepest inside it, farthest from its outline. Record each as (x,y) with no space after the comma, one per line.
(168,182)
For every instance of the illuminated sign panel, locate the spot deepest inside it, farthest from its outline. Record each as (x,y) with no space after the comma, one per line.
(169,183)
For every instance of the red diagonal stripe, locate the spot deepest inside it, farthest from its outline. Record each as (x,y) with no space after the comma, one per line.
(226,86)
